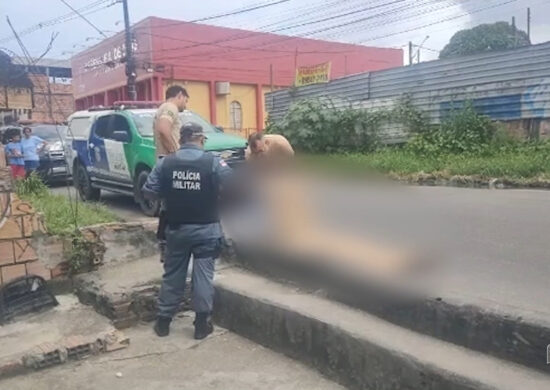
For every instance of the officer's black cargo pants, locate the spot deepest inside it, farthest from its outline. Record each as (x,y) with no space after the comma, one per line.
(178,253)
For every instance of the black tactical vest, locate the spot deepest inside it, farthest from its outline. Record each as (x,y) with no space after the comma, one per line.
(190,190)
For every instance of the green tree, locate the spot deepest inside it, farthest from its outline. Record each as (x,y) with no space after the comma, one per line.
(484,38)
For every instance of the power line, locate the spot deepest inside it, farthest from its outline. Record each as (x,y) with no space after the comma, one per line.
(84,18)
(253,33)
(432,7)
(298,13)
(427,48)
(86,10)
(237,12)
(386,13)
(241,11)
(439,21)
(337,16)
(236,47)
(248,34)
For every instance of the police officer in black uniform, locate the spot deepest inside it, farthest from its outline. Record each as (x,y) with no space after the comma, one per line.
(188,181)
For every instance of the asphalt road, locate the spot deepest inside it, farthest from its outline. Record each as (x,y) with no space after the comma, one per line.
(495,244)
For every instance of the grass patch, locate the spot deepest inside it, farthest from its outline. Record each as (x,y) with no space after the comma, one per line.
(59,213)
(528,161)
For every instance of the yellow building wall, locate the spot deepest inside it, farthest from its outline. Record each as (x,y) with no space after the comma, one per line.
(244,94)
(222,111)
(199,96)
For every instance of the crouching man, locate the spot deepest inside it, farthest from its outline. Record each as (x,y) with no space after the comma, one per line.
(188,182)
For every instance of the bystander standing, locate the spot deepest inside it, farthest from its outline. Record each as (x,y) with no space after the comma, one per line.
(14,152)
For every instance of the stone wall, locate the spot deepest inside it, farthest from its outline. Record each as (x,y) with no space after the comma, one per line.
(25,249)
(18,224)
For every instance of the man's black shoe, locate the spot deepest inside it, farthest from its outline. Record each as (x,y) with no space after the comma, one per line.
(162,326)
(203,326)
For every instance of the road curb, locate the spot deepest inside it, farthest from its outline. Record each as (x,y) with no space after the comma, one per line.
(506,335)
(352,347)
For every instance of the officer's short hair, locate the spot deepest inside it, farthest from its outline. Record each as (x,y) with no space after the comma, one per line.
(190,131)
(174,91)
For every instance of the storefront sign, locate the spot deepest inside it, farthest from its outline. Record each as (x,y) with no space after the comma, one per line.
(315,74)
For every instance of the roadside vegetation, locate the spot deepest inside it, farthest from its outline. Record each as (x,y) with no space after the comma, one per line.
(59,212)
(466,143)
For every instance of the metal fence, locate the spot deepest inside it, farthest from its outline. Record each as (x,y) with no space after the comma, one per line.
(505,85)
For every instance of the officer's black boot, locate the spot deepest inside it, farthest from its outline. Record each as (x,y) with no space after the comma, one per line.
(203,325)
(162,326)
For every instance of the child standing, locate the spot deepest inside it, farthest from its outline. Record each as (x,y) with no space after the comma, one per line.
(14,151)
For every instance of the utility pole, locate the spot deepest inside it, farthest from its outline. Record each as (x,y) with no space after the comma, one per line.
(130,61)
(410,52)
(515,31)
(529,23)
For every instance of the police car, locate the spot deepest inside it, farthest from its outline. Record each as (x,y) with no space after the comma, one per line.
(113,149)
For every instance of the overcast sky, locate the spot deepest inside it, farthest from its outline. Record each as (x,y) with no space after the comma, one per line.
(383,23)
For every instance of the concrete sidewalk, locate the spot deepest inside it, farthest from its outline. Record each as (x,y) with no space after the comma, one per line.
(223,361)
(63,325)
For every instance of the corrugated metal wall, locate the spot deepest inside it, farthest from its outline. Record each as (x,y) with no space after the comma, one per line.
(506,85)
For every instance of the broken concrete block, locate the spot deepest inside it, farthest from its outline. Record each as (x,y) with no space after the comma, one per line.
(114,340)
(45,355)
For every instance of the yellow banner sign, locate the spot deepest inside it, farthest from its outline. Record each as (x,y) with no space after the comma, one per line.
(315,74)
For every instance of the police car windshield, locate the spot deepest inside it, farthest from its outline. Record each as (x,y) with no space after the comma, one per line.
(144,122)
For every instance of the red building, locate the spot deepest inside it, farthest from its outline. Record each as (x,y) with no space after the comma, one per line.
(226,71)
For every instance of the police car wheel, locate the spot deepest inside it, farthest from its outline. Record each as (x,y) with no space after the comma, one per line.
(83,184)
(149,208)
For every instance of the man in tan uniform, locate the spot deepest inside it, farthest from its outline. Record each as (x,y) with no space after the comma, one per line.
(167,133)
(167,122)
(270,146)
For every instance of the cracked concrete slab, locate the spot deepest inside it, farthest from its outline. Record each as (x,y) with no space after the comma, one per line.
(69,318)
(223,361)
(70,331)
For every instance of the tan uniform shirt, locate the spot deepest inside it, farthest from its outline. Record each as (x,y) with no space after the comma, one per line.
(170,112)
(277,147)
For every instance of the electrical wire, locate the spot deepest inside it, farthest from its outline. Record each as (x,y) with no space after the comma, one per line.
(248,34)
(84,18)
(86,10)
(241,11)
(440,21)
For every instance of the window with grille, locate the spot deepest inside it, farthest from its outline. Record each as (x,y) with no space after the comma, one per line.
(236,115)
